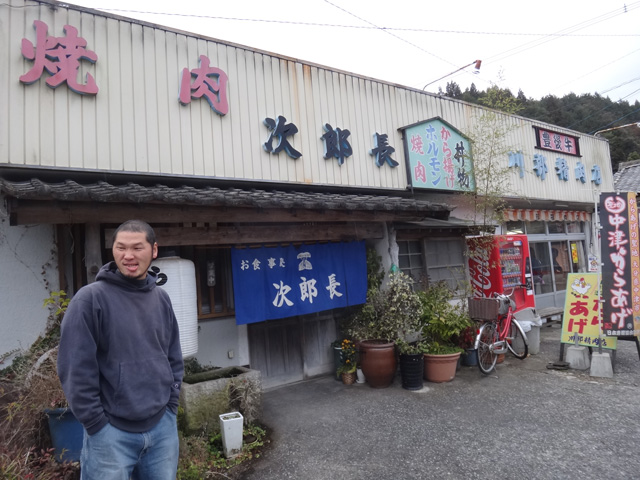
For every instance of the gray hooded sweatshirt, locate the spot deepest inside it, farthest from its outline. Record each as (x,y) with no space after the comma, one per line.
(120,360)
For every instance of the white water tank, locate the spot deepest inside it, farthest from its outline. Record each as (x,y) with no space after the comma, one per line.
(177,276)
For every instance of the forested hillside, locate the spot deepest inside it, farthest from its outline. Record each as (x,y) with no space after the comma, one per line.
(585,113)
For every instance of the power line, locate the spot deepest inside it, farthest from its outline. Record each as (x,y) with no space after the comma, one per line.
(600,68)
(390,33)
(616,120)
(597,111)
(564,32)
(358,27)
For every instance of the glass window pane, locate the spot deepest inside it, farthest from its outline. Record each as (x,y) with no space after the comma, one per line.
(556,227)
(414,247)
(445,262)
(410,259)
(561,264)
(516,227)
(535,227)
(541,267)
(574,227)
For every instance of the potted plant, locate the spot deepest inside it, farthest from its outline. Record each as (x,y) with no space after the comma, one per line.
(347,368)
(411,356)
(442,324)
(388,315)
(466,341)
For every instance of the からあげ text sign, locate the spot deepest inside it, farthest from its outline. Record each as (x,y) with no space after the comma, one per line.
(439,157)
(620,258)
(582,313)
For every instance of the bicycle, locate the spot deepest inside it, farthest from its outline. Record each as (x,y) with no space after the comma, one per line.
(499,332)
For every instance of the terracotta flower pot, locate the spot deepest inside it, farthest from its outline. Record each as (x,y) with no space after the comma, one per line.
(378,362)
(440,368)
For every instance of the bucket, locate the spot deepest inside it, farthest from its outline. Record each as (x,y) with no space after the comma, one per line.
(533,336)
(470,357)
(66,434)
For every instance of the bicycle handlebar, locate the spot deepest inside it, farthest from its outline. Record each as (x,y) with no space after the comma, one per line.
(496,294)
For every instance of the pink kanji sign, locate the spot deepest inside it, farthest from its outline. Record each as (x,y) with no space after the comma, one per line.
(209,82)
(60,57)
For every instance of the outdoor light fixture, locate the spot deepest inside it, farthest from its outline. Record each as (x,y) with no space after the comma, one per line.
(477,64)
(615,128)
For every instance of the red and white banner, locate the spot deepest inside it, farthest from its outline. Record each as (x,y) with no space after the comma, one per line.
(532,215)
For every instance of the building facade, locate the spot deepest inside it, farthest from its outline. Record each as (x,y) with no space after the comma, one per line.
(221,146)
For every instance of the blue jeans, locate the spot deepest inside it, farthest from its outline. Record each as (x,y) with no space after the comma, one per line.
(113,454)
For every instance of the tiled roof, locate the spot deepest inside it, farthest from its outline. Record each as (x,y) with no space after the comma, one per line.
(627,179)
(104,192)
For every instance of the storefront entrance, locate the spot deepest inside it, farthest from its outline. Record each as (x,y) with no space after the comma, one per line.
(292,349)
(557,249)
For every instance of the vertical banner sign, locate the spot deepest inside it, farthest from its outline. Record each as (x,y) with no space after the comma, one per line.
(634,243)
(280,282)
(618,263)
(581,313)
(438,157)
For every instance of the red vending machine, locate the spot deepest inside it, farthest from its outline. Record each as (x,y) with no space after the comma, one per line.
(499,263)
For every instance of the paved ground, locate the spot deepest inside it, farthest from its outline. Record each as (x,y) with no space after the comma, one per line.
(523,422)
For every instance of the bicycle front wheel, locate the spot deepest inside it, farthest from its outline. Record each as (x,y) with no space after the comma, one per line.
(517,340)
(486,356)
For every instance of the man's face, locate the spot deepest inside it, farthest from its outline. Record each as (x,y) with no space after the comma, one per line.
(133,254)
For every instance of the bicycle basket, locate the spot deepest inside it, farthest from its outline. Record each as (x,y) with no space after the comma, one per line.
(483,309)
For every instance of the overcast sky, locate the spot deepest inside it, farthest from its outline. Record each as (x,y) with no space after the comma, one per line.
(544,47)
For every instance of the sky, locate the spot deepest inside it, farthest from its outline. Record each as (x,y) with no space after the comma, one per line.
(544,47)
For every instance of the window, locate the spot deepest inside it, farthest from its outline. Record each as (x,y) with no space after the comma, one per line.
(214,282)
(574,227)
(535,227)
(410,259)
(445,262)
(515,227)
(555,227)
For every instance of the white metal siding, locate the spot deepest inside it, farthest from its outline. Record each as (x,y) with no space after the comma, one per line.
(136,124)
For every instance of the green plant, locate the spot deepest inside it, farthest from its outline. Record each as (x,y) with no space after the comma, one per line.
(442,322)
(28,386)
(347,357)
(411,348)
(192,366)
(375,272)
(389,314)
(202,456)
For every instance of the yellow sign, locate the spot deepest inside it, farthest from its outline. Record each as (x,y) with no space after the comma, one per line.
(574,252)
(582,312)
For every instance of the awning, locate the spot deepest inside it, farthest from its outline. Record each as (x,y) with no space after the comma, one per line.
(38,201)
(532,215)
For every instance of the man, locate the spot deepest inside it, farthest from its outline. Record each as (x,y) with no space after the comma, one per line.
(121,367)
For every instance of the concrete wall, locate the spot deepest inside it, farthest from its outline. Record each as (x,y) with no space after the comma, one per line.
(216,338)
(28,272)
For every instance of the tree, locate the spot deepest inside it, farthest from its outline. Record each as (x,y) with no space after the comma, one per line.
(489,151)
(453,90)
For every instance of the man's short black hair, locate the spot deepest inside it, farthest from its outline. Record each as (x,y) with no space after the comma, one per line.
(137,226)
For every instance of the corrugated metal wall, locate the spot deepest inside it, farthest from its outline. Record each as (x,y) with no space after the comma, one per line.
(136,124)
